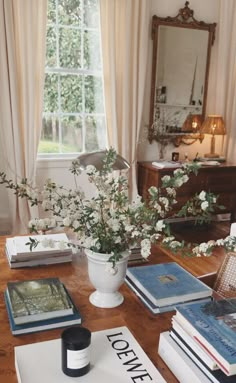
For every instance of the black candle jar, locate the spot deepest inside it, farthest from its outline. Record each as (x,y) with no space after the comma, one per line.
(75,351)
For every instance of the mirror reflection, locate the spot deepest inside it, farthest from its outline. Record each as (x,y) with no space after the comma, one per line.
(180,69)
(181,66)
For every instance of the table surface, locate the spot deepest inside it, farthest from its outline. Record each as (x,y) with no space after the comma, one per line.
(145,326)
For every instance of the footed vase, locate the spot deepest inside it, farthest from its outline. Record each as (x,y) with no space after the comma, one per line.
(106,283)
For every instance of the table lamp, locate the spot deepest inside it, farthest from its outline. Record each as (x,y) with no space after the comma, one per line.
(95,159)
(214,125)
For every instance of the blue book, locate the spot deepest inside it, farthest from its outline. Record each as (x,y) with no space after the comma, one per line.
(213,326)
(167,283)
(42,325)
(153,308)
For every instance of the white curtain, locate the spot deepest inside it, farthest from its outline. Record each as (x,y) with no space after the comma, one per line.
(22,62)
(224,102)
(125,37)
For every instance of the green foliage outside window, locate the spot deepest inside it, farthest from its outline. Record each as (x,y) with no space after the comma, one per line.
(73,93)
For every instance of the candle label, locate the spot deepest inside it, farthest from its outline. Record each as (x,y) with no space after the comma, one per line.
(78,359)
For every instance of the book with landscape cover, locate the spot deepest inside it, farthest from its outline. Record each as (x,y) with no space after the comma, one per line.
(151,306)
(38,299)
(42,325)
(213,326)
(167,283)
(216,376)
(178,362)
(115,357)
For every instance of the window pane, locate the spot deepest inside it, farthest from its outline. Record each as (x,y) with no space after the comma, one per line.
(72,138)
(51,11)
(92,58)
(50,136)
(51,54)
(51,93)
(70,48)
(95,133)
(93,94)
(69,12)
(71,94)
(91,13)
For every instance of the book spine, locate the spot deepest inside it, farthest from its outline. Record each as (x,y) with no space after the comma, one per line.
(208,348)
(194,358)
(180,365)
(194,346)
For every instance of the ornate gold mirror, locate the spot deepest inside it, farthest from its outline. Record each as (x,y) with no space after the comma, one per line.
(180,69)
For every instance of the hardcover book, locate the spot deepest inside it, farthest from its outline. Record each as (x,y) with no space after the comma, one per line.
(38,299)
(37,261)
(42,325)
(193,345)
(23,250)
(116,357)
(216,376)
(167,283)
(178,362)
(153,308)
(213,326)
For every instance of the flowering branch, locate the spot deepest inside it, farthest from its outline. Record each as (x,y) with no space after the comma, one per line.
(108,222)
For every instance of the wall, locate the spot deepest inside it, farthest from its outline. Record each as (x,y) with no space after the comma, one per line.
(203,10)
(58,170)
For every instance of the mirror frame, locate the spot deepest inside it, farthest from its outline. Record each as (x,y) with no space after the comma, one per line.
(184,19)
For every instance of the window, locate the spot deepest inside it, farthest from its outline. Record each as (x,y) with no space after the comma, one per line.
(74,117)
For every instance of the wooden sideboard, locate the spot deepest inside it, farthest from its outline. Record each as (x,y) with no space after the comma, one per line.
(145,326)
(220,180)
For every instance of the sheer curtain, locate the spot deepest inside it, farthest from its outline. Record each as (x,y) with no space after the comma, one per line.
(22,62)
(225,74)
(125,37)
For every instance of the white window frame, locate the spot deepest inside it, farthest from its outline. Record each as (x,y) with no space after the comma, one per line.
(41,157)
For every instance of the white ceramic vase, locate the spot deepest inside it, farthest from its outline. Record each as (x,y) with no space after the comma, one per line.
(106,284)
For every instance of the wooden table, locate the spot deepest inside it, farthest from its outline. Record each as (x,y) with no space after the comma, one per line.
(145,326)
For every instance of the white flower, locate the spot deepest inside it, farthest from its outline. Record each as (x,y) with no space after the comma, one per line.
(171,192)
(66,221)
(202,195)
(114,224)
(165,179)
(91,170)
(204,205)
(160,225)
(145,248)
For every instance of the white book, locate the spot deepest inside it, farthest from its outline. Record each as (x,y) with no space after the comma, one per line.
(178,362)
(116,357)
(166,164)
(216,376)
(21,249)
(208,360)
(49,260)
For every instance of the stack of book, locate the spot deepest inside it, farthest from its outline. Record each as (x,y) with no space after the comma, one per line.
(135,255)
(201,345)
(163,286)
(20,255)
(40,304)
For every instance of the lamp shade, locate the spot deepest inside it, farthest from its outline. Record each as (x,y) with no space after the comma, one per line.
(95,159)
(192,123)
(213,124)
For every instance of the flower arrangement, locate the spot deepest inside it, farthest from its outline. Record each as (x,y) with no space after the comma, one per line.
(109,222)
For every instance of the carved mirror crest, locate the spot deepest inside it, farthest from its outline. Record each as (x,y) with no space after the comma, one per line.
(180,70)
